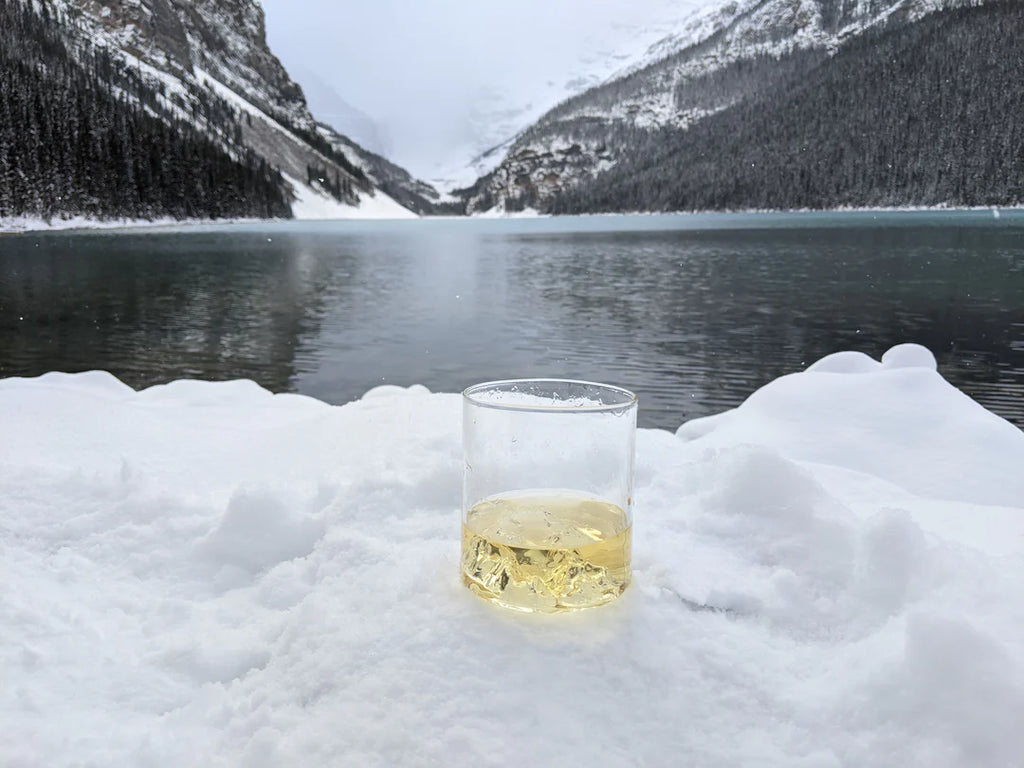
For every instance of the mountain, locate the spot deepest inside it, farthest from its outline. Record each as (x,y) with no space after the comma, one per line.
(507,105)
(160,108)
(788,103)
(332,110)
(392,180)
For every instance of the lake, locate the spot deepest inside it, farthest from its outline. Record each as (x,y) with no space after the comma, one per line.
(694,312)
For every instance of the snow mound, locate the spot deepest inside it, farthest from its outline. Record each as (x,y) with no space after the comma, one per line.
(939,442)
(259,530)
(208,574)
(844,362)
(909,356)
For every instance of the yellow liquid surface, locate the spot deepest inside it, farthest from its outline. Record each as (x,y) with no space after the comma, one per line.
(546,553)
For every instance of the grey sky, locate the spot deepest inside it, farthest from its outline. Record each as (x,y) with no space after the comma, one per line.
(438,74)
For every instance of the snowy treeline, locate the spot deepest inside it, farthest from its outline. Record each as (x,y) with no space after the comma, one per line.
(81,133)
(912,115)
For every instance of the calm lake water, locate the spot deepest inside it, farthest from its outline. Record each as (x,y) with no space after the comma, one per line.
(693,312)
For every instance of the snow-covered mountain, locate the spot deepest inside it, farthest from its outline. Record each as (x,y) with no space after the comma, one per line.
(507,106)
(692,73)
(201,68)
(393,180)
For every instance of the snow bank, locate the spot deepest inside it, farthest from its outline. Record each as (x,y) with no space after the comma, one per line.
(312,205)
(499,212)
(36,224)
(208,574)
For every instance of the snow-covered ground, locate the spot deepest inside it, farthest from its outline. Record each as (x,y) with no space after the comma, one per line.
(208,574)
(16,224)
(311,204)
(35,223)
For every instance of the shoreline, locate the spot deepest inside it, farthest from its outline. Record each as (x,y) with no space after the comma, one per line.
(21,225)
(27,224)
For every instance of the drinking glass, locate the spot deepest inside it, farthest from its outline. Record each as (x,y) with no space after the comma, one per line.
(547,495)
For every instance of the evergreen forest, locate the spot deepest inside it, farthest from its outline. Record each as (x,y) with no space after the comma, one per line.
(925,114)
(82,133)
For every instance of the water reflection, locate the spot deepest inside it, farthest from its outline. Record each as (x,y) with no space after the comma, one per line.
(151,309)
(692,318)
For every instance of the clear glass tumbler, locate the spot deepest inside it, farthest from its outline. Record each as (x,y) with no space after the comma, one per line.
(547,493)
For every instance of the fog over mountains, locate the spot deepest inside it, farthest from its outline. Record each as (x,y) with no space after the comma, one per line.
(450,79)
(168,108)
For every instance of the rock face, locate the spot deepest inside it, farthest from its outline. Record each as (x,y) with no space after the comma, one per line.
(723,58)
(220,46)
(203,69)
(394,181)
(224,38)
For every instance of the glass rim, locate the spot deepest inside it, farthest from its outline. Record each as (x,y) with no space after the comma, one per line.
(628,398)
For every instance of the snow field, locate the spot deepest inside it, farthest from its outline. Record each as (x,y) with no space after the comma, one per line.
(208,574)
(310,204)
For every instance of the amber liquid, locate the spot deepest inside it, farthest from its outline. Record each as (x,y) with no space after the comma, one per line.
(546,552)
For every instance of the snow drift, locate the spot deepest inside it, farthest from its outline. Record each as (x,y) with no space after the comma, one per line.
(209,574)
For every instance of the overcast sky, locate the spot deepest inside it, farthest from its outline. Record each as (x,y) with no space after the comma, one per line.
(425,71)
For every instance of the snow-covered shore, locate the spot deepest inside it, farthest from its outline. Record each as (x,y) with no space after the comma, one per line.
(209,574)
(312,206)
(309,205)
(16,224)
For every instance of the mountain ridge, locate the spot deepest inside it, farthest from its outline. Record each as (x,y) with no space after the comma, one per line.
(688,79)
(201,68)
